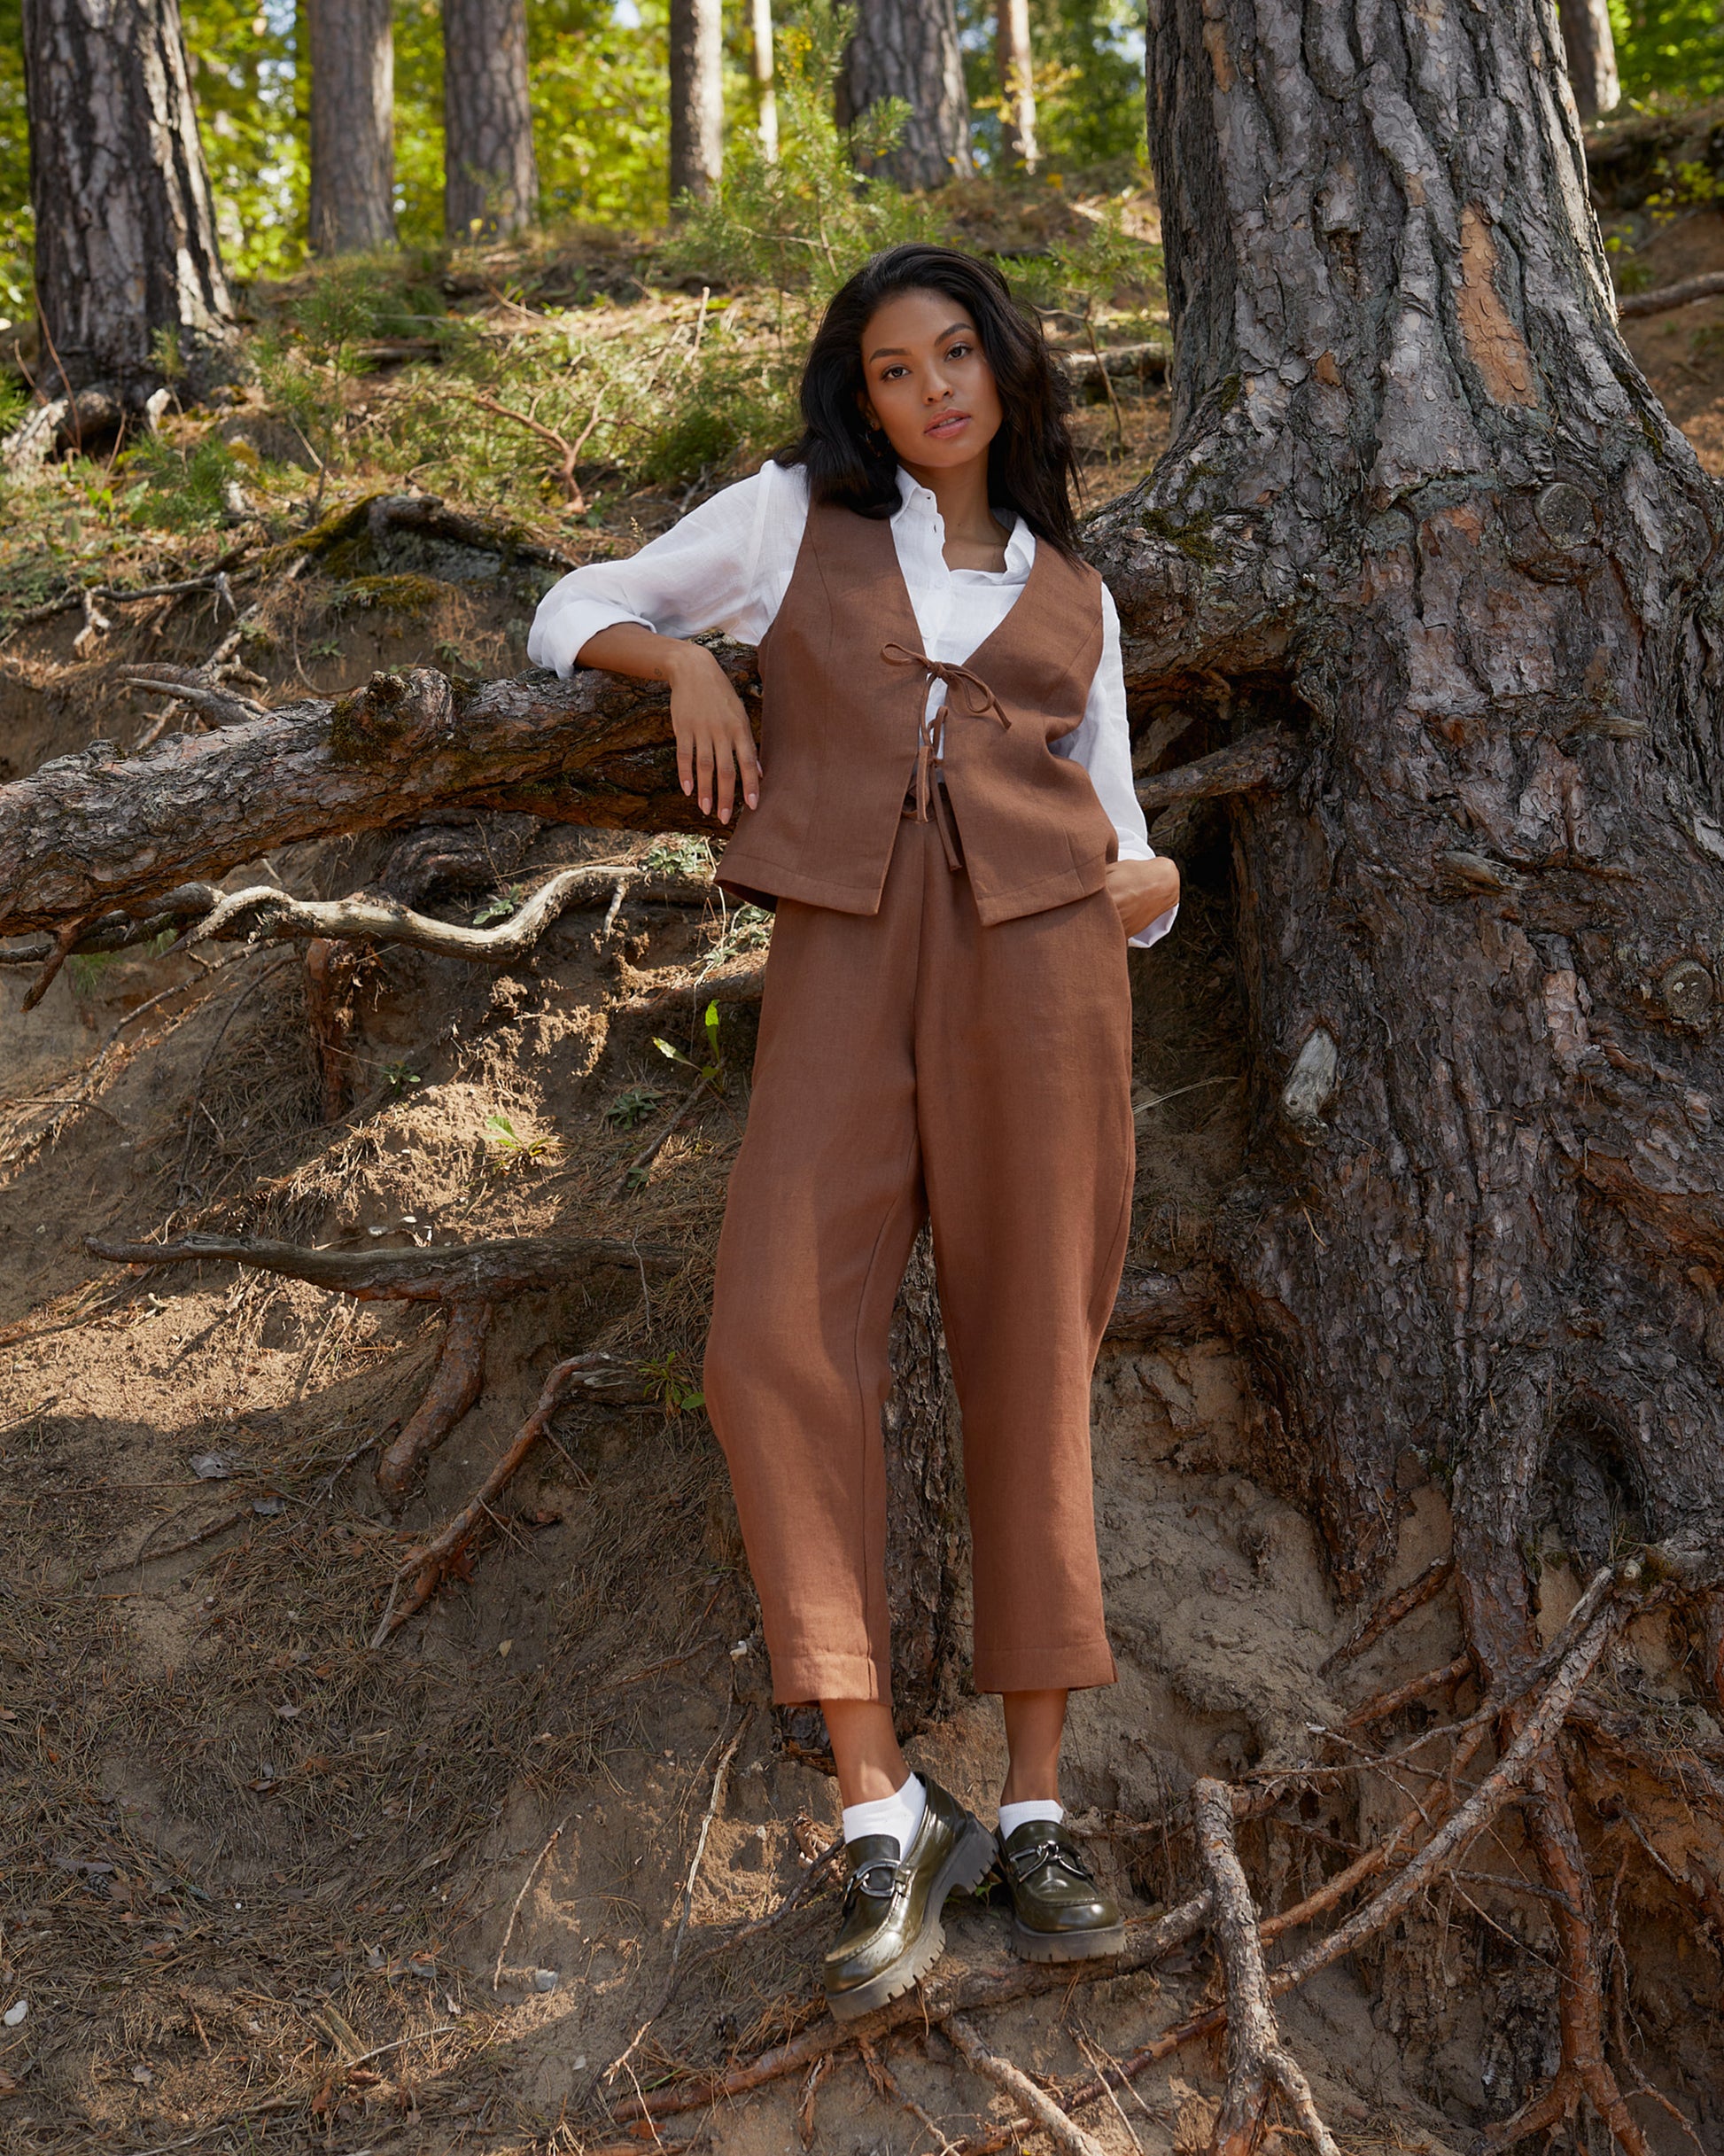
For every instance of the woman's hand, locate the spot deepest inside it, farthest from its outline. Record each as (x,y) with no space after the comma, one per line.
(1142,892)
(715,746)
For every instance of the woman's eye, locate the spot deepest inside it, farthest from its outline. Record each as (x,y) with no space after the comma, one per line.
(959,352)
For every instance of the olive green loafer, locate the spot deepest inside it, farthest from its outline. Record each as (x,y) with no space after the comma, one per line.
(891,1934)
(1058,1913)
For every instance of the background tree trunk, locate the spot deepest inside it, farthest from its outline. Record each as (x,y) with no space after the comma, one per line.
(352,50)
(125,245)
(765,94)
(490,174)
(697,97)
(1591,49)
(909,49)
(1017,82)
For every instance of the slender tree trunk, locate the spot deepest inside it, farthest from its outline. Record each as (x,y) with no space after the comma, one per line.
(909,49)
(697,97)
(490,174)
(125,250)
(1017,82)
(1591,48)
(352,50)
(765,95)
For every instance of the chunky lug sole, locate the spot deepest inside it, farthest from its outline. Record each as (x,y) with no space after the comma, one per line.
(1066,1946)
(968,1864)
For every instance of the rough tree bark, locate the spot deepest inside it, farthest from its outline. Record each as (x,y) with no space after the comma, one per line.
(698,96)
(1017,82)
(1429,516)
(124,246)
(352,48)
(1590,46)
(489,173)
(909,49)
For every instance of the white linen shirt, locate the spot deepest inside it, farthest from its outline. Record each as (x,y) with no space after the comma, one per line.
(728,564)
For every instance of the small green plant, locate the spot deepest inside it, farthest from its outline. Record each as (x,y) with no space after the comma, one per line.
(750,927)
(632,1105)
(499,906)
(713,1071)
(508,1147)
(186,487)
(399,1079)
(670,1385)
(674,857)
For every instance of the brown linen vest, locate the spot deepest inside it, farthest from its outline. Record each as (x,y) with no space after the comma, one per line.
(844,687)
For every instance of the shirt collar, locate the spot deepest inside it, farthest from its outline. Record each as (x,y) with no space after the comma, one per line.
(917,502)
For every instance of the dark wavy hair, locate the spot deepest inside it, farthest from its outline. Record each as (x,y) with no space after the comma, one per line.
(1031,467)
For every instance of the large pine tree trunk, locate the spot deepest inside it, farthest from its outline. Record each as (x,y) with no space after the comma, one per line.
(909,49)
(1422,511)
(352,49)
(697,97)
(125,248)
(489,173)
(1591,45)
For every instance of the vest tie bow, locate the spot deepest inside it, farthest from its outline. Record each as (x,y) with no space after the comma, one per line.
(978,701)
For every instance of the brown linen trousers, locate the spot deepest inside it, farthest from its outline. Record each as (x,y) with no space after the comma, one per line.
(946,1035)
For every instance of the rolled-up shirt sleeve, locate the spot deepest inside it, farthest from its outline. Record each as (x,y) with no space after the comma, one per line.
(701,574)
(1101,742)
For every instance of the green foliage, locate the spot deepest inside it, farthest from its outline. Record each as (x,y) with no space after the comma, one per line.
(242,58)
(1669,51)
(670,857)
(1077,275)
(182,487)
(508,1147)
(16,227)
(800,225)
(1089,82)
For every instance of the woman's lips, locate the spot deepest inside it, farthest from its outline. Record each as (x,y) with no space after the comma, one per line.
(947,425)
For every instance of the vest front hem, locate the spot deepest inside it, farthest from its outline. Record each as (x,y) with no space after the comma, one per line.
(756,879)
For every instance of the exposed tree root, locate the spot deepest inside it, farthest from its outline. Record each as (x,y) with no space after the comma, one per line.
(468,1281)
(1389,1612)
(425,1568)
(456,1383)
(331,974)
(1383,1704)
(1064,2132)
(1259,2064)
(262,912)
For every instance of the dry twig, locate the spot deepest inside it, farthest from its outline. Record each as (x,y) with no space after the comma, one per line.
(1064,2132)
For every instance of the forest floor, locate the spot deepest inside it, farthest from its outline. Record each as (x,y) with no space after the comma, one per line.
(265,1887)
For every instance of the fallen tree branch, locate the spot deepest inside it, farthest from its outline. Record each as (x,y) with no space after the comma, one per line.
(1154,1305)
(1660,300)
(1258,2061)
(86,834)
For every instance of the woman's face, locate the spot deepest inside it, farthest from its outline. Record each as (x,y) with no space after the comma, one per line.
(929,383)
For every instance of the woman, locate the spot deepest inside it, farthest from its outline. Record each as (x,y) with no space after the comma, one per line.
(942,812)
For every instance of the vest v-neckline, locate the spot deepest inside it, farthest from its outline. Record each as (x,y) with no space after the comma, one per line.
(907,605)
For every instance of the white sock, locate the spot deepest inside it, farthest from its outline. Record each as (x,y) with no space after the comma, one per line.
(1012,1817)
(899,1816)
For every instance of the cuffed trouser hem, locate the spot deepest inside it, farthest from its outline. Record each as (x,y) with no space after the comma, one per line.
(828,1676)
(1054,1669)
